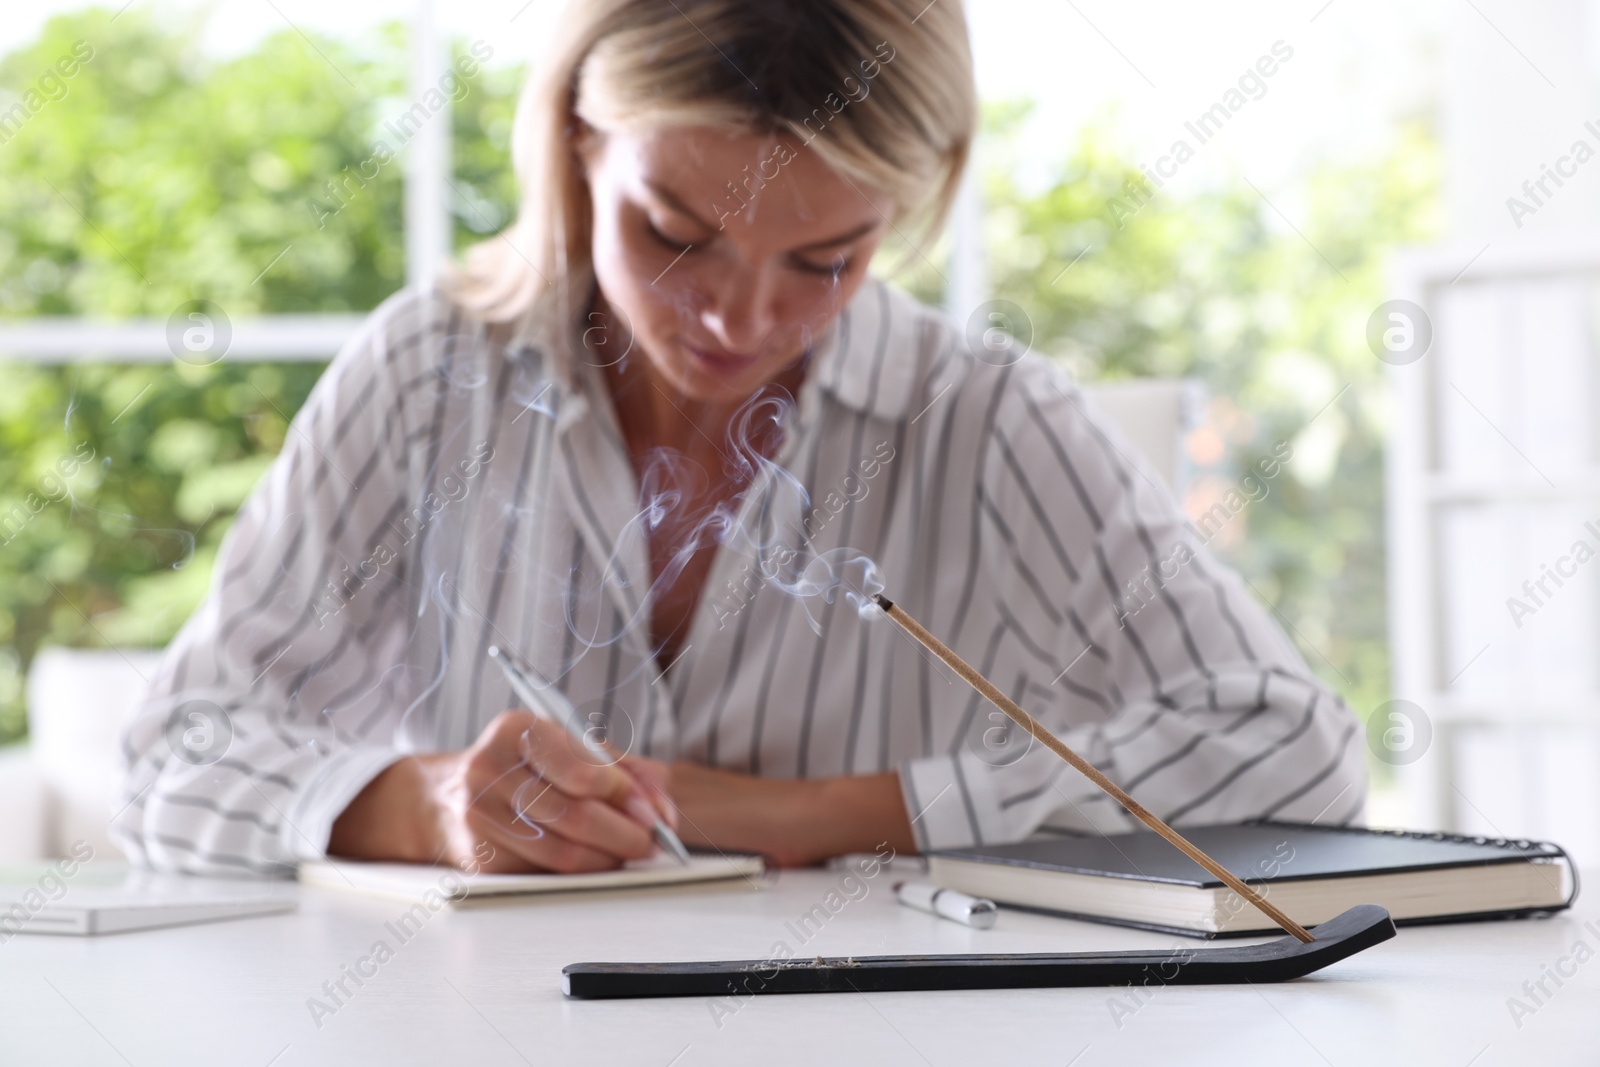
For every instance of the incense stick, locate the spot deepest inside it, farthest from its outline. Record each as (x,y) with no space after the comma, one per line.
(1085,768)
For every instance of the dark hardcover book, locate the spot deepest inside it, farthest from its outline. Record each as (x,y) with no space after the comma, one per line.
(1312,872)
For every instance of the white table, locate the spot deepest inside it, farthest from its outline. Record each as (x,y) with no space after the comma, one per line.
(483,986)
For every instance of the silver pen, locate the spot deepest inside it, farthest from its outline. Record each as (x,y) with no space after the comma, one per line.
(550,703)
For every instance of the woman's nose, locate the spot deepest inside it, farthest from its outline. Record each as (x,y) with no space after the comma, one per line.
(741,312)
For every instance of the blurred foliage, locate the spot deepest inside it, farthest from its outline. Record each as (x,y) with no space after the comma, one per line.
(483,193)
(1124,279)
(161,177)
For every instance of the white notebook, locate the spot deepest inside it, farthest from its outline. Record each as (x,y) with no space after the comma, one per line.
(410,881)
(114,898)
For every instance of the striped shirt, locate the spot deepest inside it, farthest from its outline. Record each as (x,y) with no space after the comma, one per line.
(441,492)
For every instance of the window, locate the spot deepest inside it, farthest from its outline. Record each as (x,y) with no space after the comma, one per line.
(193,229)
(1495,462)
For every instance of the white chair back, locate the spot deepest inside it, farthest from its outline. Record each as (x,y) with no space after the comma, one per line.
(79,702)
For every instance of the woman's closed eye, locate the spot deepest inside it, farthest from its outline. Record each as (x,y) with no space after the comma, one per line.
(830,268)
(664,236)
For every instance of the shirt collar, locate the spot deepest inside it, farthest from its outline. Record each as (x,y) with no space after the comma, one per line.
(867,360)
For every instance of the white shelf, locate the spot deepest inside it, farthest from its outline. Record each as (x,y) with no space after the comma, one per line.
(1523,711)
(1469,489)
(1464,537)
(288,338)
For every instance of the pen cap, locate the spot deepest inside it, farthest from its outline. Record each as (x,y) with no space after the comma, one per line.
(918,895)
(953,905)
(964,909)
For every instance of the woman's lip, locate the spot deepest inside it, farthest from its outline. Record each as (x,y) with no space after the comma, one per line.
(721,362)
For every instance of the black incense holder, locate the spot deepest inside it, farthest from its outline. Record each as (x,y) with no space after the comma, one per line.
(1276,961)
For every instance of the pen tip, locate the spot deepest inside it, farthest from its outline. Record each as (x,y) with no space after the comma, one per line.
(674,847)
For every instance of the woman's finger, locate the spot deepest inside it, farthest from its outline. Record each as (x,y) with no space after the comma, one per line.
(546,852)
(655,778)
(519,815)
(529,806)
(518,740)
(599,826)
(554,754)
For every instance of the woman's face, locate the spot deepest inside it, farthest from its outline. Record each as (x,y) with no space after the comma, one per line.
(726,253)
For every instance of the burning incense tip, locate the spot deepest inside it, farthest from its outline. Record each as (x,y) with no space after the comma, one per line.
(882,601)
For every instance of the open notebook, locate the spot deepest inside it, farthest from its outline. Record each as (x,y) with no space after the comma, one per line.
(410,881)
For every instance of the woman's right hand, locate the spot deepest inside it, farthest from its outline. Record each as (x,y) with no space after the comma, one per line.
(536,796)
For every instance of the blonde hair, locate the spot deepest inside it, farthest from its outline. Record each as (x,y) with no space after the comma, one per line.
(882,90)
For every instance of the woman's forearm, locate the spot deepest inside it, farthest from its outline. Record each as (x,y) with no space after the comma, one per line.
(796,821)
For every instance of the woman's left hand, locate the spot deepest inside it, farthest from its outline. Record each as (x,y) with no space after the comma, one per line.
(796,822)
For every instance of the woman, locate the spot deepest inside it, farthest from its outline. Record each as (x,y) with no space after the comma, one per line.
(641,439)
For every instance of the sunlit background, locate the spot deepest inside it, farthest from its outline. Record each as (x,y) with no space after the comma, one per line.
(190,155)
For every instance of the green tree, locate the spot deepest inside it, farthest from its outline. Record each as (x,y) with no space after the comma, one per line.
(157,179)
(1123,279)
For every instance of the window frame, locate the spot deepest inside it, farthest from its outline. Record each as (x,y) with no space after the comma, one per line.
(283,338)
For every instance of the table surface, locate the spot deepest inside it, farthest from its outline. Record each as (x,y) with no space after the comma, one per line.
(482,985)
